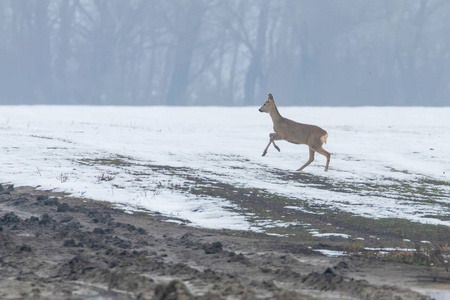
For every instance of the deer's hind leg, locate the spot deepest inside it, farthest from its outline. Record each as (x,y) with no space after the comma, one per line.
(326,154)
(273,137)
(310,160)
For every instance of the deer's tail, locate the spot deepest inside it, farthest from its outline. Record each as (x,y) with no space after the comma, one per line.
(324,137)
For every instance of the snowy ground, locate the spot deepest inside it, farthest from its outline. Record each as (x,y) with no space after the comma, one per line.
(386,162)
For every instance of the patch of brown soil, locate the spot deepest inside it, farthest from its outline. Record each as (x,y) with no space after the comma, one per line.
(57,247)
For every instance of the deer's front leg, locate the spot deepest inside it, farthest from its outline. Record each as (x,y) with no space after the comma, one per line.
(265,150)
(273,137)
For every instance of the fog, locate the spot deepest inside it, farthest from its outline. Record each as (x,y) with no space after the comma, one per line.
(217,52)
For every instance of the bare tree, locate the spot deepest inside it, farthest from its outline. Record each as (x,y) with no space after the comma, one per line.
(186,22)
(224,52)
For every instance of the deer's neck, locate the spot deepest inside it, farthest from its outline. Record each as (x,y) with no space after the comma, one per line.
(275,114)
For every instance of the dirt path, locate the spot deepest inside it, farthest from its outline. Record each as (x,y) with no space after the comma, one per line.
(56,247)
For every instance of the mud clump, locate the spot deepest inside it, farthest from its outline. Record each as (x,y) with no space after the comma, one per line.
(46,220)
(213,248)
(176,289)
(33,220)
(173,290)
(10,219)
(25,248)
(41,198)
(63,207)
(6,190)
(66,219)
(327,281)
(72,243)
(121,243)
(51,202)
(239,258)
(76,267)
(98,231)
(99,217)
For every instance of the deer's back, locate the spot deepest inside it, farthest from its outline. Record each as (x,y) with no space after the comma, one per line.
(298,133)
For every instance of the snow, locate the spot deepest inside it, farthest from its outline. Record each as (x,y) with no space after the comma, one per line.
(317,234)
(331,253)
(381,158)
(390,249)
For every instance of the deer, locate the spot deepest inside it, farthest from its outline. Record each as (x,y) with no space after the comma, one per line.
(296,133)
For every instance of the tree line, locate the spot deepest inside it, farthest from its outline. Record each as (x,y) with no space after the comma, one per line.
(224,52)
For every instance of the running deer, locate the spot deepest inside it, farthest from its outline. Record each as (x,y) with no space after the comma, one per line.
(295,133)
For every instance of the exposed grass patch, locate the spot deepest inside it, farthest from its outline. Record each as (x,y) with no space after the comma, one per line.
(117,161)
(260,206)
(434,182)
(391,227)
(354,247)
(293,231)
(106,177)
(428,255)
(424,190)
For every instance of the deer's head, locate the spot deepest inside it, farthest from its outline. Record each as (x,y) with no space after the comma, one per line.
(267,106)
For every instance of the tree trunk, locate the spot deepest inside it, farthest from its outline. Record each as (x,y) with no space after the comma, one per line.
(186,40)
(254,72)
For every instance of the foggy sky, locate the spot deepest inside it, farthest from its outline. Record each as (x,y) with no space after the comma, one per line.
(220,52)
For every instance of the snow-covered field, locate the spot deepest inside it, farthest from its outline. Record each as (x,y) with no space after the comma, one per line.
(386,161)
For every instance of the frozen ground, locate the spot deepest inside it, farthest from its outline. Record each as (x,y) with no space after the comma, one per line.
(386,161)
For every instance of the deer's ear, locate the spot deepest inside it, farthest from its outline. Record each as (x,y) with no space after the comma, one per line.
(270,97)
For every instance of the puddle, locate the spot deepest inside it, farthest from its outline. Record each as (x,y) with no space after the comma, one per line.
(436,294)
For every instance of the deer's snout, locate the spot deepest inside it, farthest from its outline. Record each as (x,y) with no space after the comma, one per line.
(260,110)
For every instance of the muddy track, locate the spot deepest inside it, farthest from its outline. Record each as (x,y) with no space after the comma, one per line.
(57,247)
(261,206)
